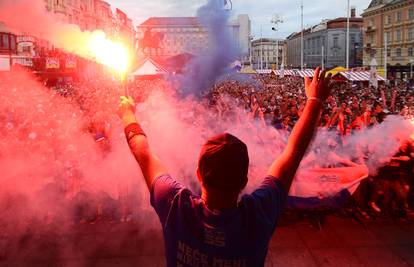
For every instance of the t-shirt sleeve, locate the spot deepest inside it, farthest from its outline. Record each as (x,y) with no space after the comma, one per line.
(269,200)
(163,191)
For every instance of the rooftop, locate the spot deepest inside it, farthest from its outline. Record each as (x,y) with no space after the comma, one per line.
(171,21)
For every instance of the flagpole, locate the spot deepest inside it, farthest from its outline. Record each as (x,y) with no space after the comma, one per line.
(261,47)
(385,56)
(301,37)
(347,38)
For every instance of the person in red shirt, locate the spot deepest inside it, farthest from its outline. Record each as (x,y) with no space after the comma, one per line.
(216,228)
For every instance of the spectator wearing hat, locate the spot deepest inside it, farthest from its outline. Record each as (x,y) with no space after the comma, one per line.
(218,228)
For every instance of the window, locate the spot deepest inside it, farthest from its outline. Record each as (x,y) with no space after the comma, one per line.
(398,16)
(388,52)
(398,52)
(410,51)
(398,35)
(335,41)
(6,41)
(26,49)
(388,37)
(371,22)
(410,14)
(352,38)
(13,42)
(410,34)
(388,19)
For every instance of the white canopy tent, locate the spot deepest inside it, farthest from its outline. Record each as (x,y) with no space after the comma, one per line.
(148,68)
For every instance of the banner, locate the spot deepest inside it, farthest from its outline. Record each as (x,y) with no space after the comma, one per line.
(23,61)
(52,63)
(4,63)
(373,79)
(70,63)
(327,182)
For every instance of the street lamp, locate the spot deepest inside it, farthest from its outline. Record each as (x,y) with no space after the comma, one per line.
(277,48)
(228,3)
(301,36)
(356,47)
(276,20)
(251,37)
(347,37)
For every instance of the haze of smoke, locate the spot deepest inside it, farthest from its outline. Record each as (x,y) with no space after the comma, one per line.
(204,70)
(51,165)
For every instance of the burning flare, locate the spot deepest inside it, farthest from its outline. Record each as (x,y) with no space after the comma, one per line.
(107,52)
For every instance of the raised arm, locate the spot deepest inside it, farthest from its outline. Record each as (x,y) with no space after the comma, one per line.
(284,168)
(149,163)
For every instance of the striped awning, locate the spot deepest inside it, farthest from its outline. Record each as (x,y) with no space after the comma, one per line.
(285,72)
(306,73)
(264,71)
(359,76)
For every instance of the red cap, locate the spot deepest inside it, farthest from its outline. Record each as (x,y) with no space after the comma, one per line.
(224,163)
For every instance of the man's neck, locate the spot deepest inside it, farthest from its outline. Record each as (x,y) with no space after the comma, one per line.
(218,201)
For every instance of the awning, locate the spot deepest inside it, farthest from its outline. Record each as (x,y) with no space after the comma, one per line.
(306,73)
(264,71)
(285,72)
(359,76)
(149,67)
(247,70)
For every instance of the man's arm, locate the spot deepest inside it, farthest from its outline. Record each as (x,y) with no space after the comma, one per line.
(149,163)
(284,168)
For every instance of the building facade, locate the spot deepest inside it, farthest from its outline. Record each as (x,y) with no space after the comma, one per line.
(93,15)
(390,21)
(169,36)
(325,44)
(264,53)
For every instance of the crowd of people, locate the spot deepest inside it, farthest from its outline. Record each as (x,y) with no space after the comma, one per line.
(280,101)
(269,100)
(351,108)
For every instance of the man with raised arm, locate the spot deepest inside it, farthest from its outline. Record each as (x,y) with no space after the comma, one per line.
(217,228)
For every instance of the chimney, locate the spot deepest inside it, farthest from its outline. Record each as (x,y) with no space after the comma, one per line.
(353,12)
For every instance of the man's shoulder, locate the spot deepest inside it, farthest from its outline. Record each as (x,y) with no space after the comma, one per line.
(268,187)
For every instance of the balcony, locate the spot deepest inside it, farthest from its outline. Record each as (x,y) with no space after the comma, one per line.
(409,41)
(398,59)
(398,23)
(397,42)
(370,29)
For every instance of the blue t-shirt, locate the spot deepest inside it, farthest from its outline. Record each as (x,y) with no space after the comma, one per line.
(198,237)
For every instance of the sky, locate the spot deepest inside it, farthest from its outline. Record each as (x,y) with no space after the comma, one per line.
(260,11)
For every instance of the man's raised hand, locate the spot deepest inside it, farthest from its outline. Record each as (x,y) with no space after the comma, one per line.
(126,110)
(126,106)
(320,86)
